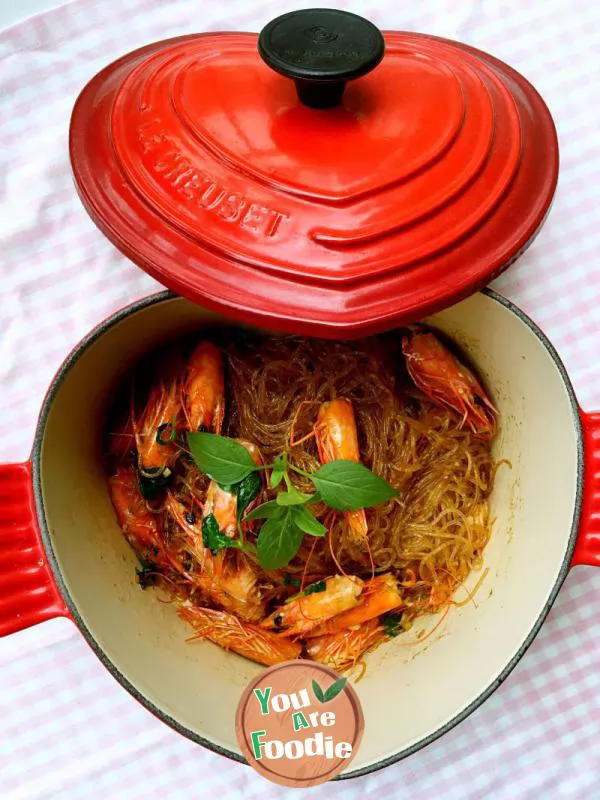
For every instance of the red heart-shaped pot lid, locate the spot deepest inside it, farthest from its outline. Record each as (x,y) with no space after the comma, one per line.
(306,181)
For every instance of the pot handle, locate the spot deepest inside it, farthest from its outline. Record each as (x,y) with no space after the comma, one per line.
(587,548)
(28,591)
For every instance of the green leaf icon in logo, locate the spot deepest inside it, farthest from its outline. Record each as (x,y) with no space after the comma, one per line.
(334,689)
(318,692)
(331,693)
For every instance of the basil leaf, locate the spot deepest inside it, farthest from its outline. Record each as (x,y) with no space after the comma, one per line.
(213,537)
(247,491)
(292,497)
(278,541)
(265,511)
(307,522)
(222,459)
(276,478)
(318,691)
(335,688)
(277,472)
(347,485)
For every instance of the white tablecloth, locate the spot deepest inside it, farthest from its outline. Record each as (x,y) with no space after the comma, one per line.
(67,729)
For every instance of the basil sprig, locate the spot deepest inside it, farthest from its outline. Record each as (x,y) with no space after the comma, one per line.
(341,485)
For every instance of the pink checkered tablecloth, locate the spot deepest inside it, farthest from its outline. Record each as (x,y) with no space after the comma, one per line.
(67,729)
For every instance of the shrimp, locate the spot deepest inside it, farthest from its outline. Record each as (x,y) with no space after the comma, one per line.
(442,377)
(223,504)
(138,523)
(234,585)
(298,616)
(156,454)
(343,649)
(204,389)
(336,437)
(243,638)
(203,407)
(227,578)
(191,528)
(379,596)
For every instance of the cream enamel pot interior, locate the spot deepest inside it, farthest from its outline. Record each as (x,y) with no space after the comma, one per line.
(79,565)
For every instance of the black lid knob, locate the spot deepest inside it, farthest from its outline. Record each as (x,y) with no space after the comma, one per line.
(321,49)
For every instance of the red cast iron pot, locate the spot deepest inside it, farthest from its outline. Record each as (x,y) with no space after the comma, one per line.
(62,553)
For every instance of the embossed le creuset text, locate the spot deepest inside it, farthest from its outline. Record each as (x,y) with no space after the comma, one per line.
(201,189)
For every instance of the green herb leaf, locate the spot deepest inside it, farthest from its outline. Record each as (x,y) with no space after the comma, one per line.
(278,541)
(265,511)
(277,472)
(289,581)
(213,537)
(346,485)
(335,688)
(276,478)
(318,692)
(391,625)
(307,522)
(319,586)
(247,491)
(222,459)
(292,497)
